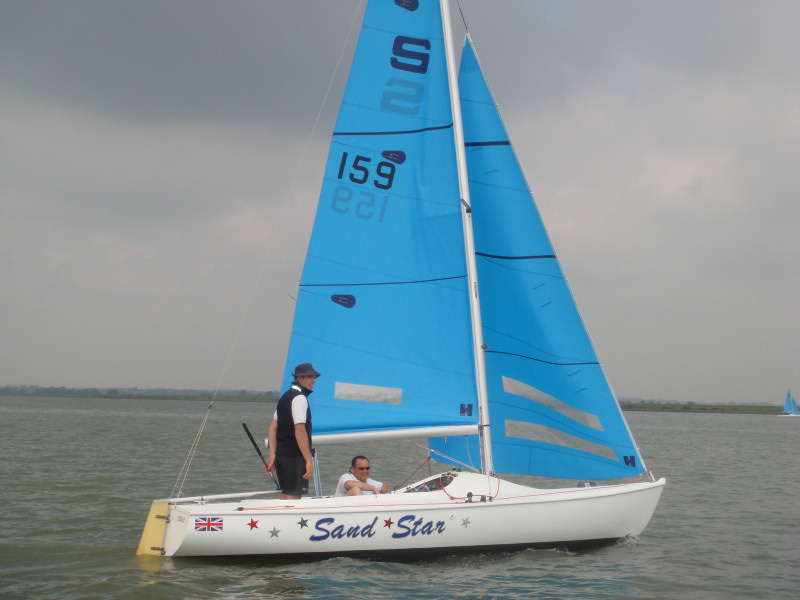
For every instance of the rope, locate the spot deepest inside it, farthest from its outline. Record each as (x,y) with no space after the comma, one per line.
(450,497)
(461,12)
(451,459)
(427,461)
(184,472)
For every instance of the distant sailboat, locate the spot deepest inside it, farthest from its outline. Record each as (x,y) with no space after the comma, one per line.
(422,198)
(790,408)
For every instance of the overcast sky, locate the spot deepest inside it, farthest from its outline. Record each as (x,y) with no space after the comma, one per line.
(160,166)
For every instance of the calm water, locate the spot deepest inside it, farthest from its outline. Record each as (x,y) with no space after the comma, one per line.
(78,477)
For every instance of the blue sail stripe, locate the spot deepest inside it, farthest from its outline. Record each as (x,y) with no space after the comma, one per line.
(547,362)
(501,143)
(302,285)
(409,131)
(484,254)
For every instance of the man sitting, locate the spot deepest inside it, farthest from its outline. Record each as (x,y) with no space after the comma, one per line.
(357,481)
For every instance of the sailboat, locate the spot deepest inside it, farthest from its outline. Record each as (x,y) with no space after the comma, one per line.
(790,408)
(433,302)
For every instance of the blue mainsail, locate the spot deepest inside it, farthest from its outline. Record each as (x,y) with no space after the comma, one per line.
(383,303)
(789,405)
(382,308)
(552,412)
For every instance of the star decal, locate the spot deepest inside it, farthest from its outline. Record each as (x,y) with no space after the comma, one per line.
(303,522)
(465,522)
(274,532)
(253,524)
(388,522)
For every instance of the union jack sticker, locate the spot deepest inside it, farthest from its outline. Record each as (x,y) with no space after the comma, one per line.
(208,523)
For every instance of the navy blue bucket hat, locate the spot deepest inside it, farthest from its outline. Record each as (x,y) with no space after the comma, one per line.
(305,370)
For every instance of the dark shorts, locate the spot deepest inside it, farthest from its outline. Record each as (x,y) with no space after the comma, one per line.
(290,471)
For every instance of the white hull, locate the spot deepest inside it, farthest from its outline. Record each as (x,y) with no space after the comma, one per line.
(411,522)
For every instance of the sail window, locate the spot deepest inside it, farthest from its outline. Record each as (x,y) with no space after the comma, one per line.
(368,393)
(518,388)
(548,435)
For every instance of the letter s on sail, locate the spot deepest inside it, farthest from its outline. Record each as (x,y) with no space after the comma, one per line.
(418,60)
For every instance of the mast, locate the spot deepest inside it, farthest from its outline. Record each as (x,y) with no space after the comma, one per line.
(469,245)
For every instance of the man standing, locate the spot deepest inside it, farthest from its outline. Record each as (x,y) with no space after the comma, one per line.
(290,435)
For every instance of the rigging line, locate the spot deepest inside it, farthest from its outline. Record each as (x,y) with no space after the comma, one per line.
(184,472)
(357,12)
(427,461)
(450,458)
(463,18)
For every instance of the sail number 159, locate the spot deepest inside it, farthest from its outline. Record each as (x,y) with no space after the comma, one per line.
(359,170)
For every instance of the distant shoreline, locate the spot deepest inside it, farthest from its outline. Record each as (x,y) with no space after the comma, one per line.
(257,396)
(691,407)
(138,394)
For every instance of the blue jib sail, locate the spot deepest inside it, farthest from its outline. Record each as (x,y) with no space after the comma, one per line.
(551,410)
(382,309)
(789,405)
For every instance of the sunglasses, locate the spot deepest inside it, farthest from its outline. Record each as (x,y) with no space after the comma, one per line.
(363,468)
